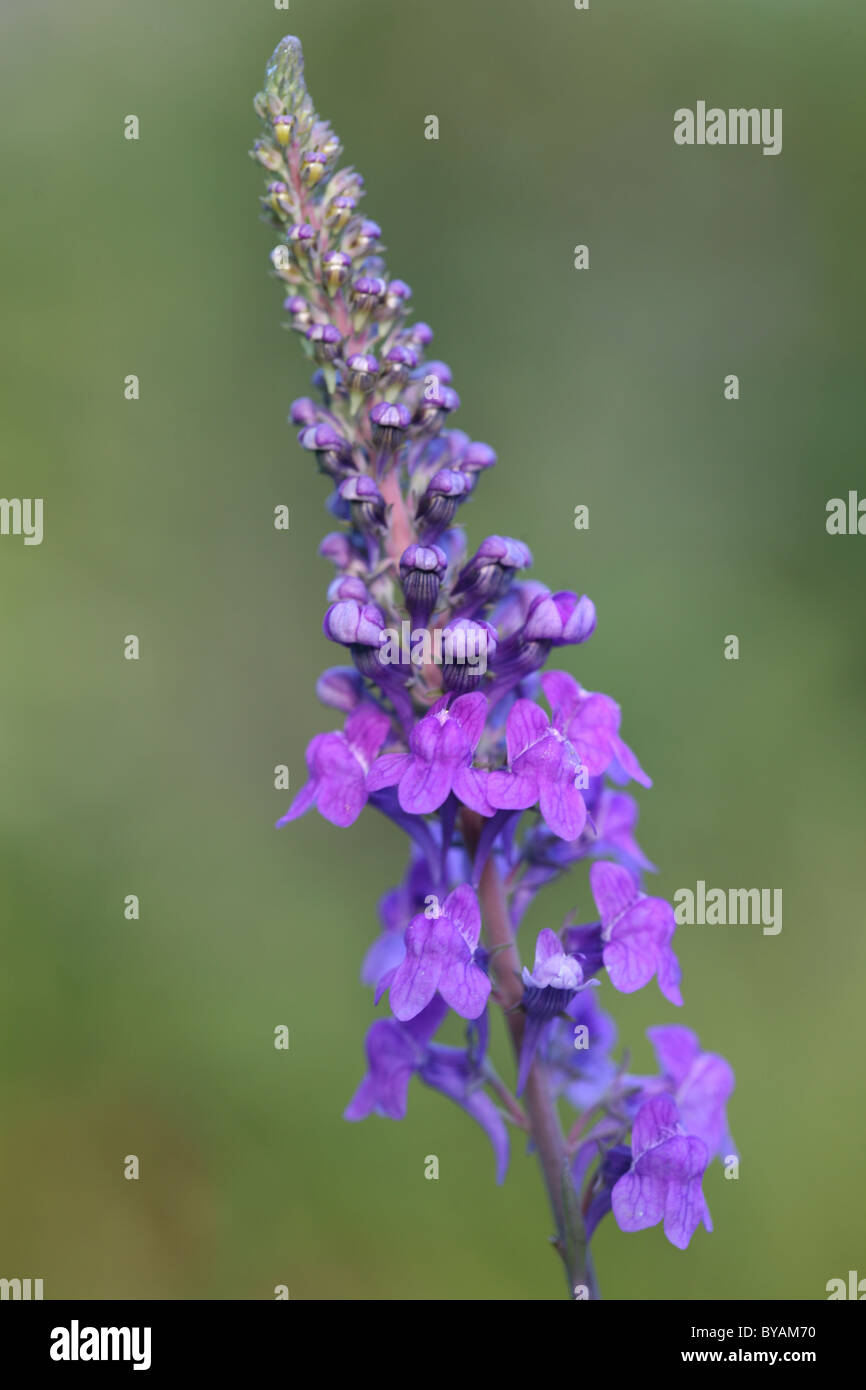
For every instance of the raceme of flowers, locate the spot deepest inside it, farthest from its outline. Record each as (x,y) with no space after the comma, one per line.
(503,774)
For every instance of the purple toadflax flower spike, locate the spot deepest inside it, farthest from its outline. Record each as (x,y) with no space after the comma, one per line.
(445,735)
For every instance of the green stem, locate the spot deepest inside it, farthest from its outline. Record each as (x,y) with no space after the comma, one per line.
(540,1106)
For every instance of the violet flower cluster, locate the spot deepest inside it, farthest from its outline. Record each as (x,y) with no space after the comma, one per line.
(502,772)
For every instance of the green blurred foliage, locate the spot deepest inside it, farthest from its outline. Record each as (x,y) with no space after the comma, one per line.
(601,387)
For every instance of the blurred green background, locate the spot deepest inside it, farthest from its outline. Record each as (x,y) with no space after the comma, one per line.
(601,387)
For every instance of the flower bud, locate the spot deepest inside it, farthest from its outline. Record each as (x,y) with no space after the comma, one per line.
(303,411)
(489,573)
(390,423)
(299,308)
(339,211)
(301,236)
(267,156)
(419,335)
(362,237)
(325,339)
(276,191)
(367,505)
(577,616)
(332,452)
(313,167)
(435,405)
(348,586)
(367,291)
(438,504)
(468,648)
(397,295)
(361,370)
(338,548)
(283,126)
(341,688)
(477,457)
(440,373)
(422,568)
(399,362)
(335,267)
(354,624)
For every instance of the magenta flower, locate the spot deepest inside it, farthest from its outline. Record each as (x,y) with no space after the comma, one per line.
(549,988)
(543,768)
(591,724)
(702,1083)
(338,764)
(439,760)
(398,1051)
(440,958)
(636,931)
(664,1180)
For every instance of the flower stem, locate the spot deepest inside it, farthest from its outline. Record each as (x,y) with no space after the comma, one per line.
(544,1127)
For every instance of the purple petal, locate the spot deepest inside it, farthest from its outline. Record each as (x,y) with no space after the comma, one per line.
(437,750)
(526,724)
(305,798)
(655,1122)
(613,888)
(577,615)
(669,975)
(366,730)
(382,958)
(559,800)
(430,943)
(547,946)
(342,794)
(470,785)
(562,693)
(461,908)
(392,1058)
(463,984)
(702,1100)
(638,1202)
(593,731)
(629,763)
(685,1208)
(387,771)
(470,711)
(513,791)
(676,1048)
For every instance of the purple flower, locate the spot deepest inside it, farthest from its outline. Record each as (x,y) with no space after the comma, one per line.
(439,760)
(398,1051)
(636,931)
(543,767)
(549,988)
(553,969)
(440,956)
(591,723)
(338,764)
(664,1180)
(616,816)
(702,1083)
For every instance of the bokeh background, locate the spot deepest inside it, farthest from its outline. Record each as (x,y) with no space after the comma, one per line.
(601,387)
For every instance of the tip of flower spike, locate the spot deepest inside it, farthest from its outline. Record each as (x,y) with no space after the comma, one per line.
(285,89)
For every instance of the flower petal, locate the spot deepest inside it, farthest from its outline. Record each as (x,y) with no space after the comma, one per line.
(429,944)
